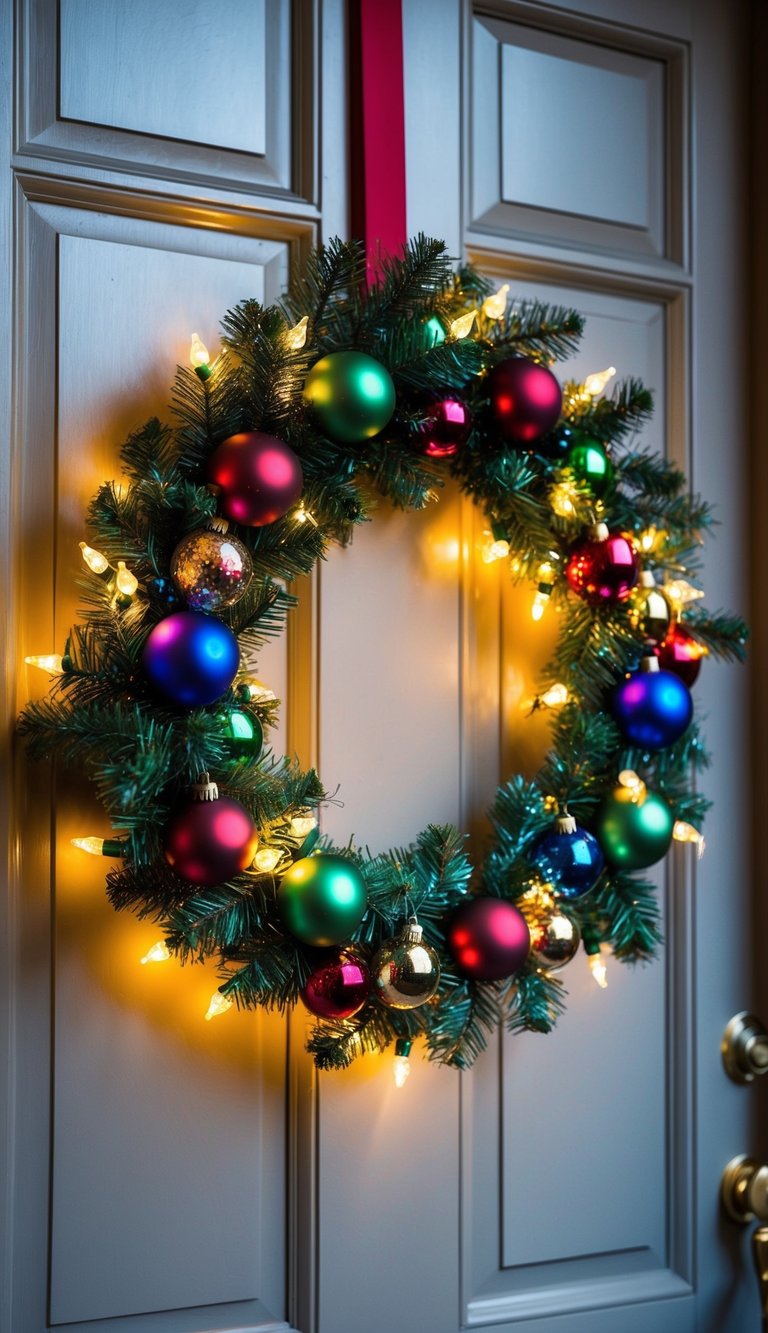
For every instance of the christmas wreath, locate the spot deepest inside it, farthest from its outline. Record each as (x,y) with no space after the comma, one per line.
(344,392)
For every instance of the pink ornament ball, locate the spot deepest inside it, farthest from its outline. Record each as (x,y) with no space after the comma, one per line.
(259,477)
(338,987)
(207,842)
(488,939)
(526,399)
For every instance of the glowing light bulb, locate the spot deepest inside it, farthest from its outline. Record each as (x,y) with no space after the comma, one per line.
(647,540)
(50,662)
(93,845)
(127,583)
(219,1005)
(599,970)
(302,825)
(633,785)
(297,336)
(684,832)
(303,515)
(462,327)
(681,592)
(198,353)
(595,383)
(159,953)
(561,497)
(266,858)
(494,306)
(96,562)
(401,1067)
(539,605)
(495,550)
(555,696)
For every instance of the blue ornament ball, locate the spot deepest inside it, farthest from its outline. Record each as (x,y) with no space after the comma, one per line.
(652,707)
(570,858)
(191,658)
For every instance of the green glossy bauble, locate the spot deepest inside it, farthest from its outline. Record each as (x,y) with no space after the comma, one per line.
(634,831)
(590,464)
(244,733)
(352,396)
(322,899)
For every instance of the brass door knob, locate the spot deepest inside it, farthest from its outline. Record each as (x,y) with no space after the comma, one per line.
(745,1048)
(744,1190)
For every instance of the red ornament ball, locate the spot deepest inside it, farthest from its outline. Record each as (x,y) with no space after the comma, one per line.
(209,841)
(681,654)
(525,399)
(604,568)
(260,478)
(488,939)
(445,428)
(338,987)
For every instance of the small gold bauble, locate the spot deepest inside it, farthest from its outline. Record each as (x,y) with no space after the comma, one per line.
(405,971)
(555,941)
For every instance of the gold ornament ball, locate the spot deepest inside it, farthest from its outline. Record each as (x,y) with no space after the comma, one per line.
(405,971)
(211,569)
(555,941)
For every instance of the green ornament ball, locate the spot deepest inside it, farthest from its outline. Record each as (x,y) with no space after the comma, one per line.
(352,396)
(634,831)
(590,464)
(434,333)
(322,899)
(244,733)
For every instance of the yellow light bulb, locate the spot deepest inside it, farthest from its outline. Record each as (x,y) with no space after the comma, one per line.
(648,540)
(539,603)
(93,845)
(599,970)
(495,550)
(595,383)
(266,858)
(561,497)
(297,336)
(96,562)
(494,306)
(555,696)
(303,515)
(302,825)
(684,832)
(681,592)
(159,953)
(50,662)
(127,583)
(219,1005)
(462,327)
(198,352)
(401,1070)
(632,784)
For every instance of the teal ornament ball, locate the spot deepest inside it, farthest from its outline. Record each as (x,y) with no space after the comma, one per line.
(634,830)
(322,899)
(351,395)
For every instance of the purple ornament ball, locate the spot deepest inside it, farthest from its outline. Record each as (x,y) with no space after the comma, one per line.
(488,939)
(445,428)
(191,658)
(338,987)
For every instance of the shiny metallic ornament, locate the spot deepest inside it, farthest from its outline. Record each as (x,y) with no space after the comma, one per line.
(650,609)
(555,941)
(211,569)
(405,971)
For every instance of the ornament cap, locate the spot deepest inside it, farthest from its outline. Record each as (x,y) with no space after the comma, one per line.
(413,932)
(649,663)
(217,524)
(204,789)
(647,579)
(565,823)
(600,532)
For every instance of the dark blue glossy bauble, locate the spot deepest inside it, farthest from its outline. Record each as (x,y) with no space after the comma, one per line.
(571,862)
(652,708)
(191,658)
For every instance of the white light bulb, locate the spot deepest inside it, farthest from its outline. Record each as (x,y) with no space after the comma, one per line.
(494,306)
(95,846)
(50,662)
(598,969)
(219,1005)
(127,583)
(595,383)
(198,352)
(95,560)
(401,1070)
(462,327)
(297,336)
(159,953)
(266,858)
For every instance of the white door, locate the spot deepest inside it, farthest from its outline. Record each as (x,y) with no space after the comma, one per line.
(170,1176)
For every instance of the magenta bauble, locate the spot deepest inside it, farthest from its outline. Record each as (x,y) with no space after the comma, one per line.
(338,987)
(209,841)
(259,477)
(445,428)
(682,654)
(488,939)
(603,568)
(525,399)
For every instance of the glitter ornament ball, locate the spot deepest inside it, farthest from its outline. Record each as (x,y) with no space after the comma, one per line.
(652,707)
(681,654)
(405,970)
(525,399)
(444,429)
(209,841)
(211,569)
(351,395)
(258,476)
(191,658)
(322,899)
(488,939)
(588,460)
(650,609)
(634,830)
(603,568)
(555,940)
(338,987)
(569,858)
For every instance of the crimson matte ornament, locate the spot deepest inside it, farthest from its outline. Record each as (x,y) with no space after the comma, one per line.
(212,838)
(191,658)
(351,394)
(259,477)
(603,568)
(681,654)
(322,899)
(488,939)
(652,707)
(445,428)
(338,987)
(211,568)
(525,399)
